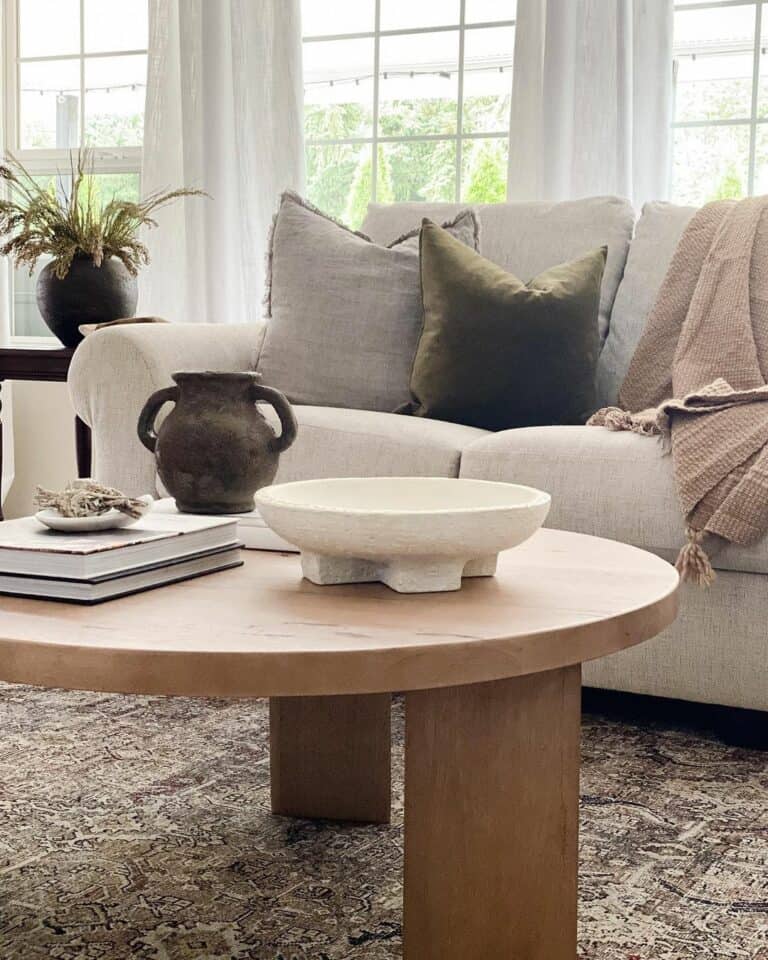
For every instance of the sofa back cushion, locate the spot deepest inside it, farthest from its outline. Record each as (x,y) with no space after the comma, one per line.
(343,313)
(656,235)
(528,238)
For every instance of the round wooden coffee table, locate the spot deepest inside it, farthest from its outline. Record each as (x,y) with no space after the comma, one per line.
(492,681)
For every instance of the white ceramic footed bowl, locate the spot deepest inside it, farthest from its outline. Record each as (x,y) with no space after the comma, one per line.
(415,534)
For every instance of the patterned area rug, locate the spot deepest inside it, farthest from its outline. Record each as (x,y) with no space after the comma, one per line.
(140,827)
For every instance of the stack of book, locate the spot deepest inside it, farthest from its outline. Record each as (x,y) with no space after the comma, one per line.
(91,567)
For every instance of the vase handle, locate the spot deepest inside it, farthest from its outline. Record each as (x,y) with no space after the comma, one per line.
(146,425)
(284,410)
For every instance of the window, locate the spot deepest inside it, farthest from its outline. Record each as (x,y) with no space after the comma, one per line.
(406,100)
(720,130)
(75,75)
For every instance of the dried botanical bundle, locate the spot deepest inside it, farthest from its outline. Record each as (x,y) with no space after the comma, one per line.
(87,498)
(64,220)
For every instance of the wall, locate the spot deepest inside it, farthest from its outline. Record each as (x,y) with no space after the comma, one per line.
(44,442)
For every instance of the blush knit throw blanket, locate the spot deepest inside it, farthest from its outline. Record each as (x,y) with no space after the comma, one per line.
(699,376)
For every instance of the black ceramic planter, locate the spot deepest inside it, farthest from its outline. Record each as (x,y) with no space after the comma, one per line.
(88,294)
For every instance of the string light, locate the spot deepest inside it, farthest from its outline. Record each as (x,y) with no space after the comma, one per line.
(69,90)
(402,74)
(336,81)
(713,49)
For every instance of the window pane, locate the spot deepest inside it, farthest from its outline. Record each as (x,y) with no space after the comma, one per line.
(484,170)
(762,91)
(418,87)
(27,321)
(114,101)
(115,186)
(115,25)
(714,59)
(483,11)
(49,104)
(715,30)
(761,160)
(49,27)
(338,88)
(405,14)
(710,163)
(713,87)
(488,79)
(336,180)
(421,170)
(320,18)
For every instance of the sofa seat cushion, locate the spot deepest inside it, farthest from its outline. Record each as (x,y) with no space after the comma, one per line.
(615,485)
(338,442)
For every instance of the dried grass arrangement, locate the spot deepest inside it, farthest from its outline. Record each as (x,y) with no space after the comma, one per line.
(88,498)
(64,219)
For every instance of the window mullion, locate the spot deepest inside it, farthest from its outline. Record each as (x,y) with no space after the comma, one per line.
(47,58)
(460,101)
(755,94)
(708,5)
(12,72)
(82,73)
(375,117)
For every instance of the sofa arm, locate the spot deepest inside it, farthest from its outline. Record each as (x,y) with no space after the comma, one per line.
(113,371)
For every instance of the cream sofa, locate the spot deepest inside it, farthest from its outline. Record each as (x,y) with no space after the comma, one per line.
(612,485)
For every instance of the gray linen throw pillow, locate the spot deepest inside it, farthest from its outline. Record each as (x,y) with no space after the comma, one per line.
(343,313)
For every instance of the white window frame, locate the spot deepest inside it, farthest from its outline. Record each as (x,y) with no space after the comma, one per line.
(459,136)
(752,121)
(106,160)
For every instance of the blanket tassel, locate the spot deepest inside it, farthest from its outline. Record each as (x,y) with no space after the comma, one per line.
(648,423)
(693,563)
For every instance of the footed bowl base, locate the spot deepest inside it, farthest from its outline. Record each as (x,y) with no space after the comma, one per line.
(403,574)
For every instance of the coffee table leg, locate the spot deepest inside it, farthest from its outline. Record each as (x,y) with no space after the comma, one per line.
(330,757)
(491,819)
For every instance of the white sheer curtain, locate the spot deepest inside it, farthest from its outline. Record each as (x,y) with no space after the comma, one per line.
(591,99)
(6,413)
(224,114)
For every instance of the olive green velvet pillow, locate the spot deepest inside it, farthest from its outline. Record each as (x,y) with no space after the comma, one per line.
(497,353)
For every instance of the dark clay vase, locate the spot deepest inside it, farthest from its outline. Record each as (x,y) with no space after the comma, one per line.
(88,294)
(214,450)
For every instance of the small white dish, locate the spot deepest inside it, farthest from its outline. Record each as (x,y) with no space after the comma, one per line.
(415,534)
(111,520)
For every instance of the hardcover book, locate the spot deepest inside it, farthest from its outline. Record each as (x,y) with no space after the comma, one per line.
(252,529)
(28,548)
(114,585)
